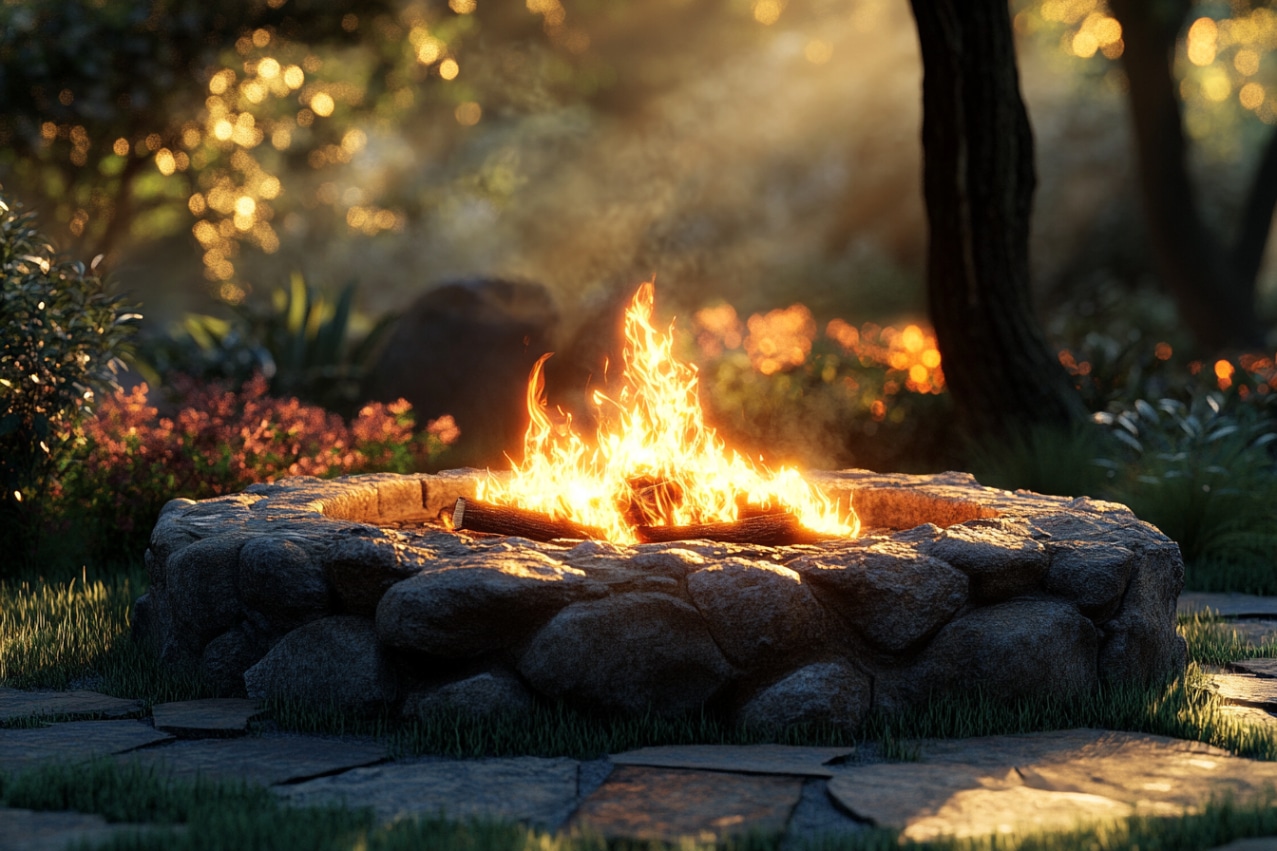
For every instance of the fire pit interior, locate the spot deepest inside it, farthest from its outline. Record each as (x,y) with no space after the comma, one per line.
(347,592)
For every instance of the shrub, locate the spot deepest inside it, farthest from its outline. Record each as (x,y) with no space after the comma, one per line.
(1203,472)
(61,335)
(218,442)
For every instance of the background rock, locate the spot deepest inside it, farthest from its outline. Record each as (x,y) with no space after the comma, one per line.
(466,349)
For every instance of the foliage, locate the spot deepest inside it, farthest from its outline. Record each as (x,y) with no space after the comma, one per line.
(1203,473)
(61,334)
(219,442)
(868,397)
(104,104)
(301,341)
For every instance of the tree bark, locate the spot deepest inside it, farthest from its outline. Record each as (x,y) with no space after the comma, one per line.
(978,182)
(1215,292)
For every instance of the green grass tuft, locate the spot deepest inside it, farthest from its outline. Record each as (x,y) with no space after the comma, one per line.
(75,633)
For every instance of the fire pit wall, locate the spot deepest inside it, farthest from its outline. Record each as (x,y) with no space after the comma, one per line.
(342,592)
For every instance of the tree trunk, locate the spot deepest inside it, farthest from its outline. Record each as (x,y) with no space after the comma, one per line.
(1215,292)
(978,183)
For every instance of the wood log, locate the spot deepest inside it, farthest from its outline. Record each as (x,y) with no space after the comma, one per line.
(475,516)
(771,530)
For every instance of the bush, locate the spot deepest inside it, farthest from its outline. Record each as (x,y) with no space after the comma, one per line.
(1203,472)
(219,442)
(61,335)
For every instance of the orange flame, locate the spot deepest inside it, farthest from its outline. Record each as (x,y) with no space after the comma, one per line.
(655,461)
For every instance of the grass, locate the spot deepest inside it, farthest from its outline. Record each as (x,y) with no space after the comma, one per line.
(74,633)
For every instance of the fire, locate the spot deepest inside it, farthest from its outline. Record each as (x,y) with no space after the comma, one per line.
(654,461)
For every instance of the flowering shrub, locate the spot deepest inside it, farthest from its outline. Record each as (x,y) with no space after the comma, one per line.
(132,460)
(61,334)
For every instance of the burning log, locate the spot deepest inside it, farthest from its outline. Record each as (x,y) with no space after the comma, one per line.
(475,516)
(771,530)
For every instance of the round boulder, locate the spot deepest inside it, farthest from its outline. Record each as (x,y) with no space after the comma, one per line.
(334,662)
(756,611)
(479,603)
(631,652)
(834,693)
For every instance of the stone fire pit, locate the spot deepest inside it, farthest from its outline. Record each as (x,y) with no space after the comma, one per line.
(344,592)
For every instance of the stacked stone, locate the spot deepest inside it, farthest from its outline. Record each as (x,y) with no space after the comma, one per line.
(340,593)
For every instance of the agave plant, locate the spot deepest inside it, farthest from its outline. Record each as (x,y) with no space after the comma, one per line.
(302,340)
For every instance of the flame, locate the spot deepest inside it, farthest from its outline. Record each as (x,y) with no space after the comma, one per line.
(654,461)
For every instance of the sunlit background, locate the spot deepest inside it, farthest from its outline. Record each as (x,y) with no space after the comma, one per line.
(760,158)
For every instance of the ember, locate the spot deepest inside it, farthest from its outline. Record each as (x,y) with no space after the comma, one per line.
(655,471)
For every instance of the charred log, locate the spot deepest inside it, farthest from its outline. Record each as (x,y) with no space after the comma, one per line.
(771,530)
(475,516)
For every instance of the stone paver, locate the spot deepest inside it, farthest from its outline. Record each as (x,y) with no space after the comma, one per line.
(1251,715)
(746,759)
(1259,843)
(1255,631)
(17,703)
(1017,783)
(1246,689)
(72,741)
(537,791)
(27,830)
(1258,667)
(670,804)
(266,760)
(1227,604)
(211,718)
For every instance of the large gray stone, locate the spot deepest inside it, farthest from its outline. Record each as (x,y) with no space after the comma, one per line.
(478,604)
(279,579)
(202,587)
(227,657)
(487,693)
(1007,651)
(362,564)
(333,662)
(1140,644)
(1000,555)
(630,652)
(887,592)
(1091,576)
(758,613)
(833,693)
